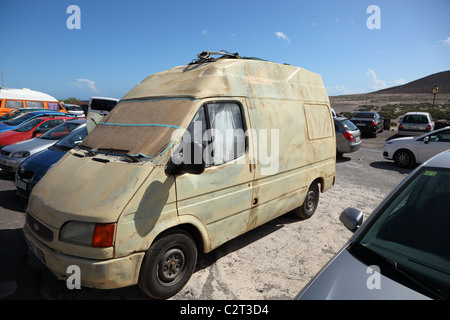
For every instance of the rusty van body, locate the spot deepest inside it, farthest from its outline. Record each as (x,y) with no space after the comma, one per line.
(128,207)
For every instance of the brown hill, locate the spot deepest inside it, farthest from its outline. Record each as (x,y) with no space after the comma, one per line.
(422,85)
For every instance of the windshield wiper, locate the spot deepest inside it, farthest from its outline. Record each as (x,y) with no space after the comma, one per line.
(435,292)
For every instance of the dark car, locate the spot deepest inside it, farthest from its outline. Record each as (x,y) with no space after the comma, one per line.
(33,168)
(368,122)
(402,250)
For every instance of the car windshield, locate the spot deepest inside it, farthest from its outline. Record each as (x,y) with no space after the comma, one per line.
(412,230)
(364,115)
(20,119)
(9,114)
(29,125)
(72,139)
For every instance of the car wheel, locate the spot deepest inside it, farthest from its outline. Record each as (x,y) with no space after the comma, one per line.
(404,158)
(168,265)
(309,206)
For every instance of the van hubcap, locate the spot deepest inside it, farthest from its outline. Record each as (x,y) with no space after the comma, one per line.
(171,265)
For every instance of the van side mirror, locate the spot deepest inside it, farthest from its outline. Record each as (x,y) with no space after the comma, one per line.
(190,161)
(351,218)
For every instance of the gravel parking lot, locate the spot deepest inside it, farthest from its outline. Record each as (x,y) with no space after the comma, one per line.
(273,261)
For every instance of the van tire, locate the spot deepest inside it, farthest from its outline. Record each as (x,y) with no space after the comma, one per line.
(168,265)
(309,206)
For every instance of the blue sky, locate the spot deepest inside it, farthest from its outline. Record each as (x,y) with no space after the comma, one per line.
(122,42)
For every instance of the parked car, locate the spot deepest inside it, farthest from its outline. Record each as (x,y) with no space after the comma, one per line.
(32,128)
(12,155)
(368,122)
(415,123)
(18,112)
(20,120)
(348,136)
(401,251)
(408,151)
(34,167)
(74,109)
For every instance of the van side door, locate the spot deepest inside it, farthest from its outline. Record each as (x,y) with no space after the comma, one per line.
(221,197)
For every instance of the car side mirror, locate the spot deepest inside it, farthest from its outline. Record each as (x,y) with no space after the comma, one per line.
(351,218)
(190,161)
(426,139)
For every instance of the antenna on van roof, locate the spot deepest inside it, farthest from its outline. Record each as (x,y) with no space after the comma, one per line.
(205,56)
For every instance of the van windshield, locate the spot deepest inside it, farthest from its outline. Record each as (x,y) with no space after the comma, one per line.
(141,127)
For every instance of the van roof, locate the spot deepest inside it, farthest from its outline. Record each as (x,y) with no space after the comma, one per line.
(233,77)
(25,94)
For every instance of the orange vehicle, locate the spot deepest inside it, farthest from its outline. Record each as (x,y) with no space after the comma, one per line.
(11,99)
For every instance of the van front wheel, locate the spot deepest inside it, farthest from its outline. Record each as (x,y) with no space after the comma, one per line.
(168,265)
(309,206)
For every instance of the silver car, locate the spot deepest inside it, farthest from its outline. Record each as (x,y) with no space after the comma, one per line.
(348,136)
(402,250)
(415,123)
(13,155)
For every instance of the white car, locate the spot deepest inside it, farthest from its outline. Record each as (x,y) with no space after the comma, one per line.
(406,152)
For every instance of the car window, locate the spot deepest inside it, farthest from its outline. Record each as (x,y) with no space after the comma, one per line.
(35,104)
(442,136)
(412,228)
(349,125)
(27,126)
(60,131)
(20,119)
(47,125)
(362,115)
(13,104)
(420,119)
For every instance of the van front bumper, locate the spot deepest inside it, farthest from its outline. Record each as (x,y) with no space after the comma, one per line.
(101,274)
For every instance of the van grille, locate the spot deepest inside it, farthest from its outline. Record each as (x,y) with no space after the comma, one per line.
(38,228)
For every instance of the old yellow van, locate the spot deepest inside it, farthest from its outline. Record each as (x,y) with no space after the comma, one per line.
(190,158)
(11,99)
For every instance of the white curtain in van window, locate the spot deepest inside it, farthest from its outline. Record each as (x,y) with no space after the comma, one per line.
(227,131)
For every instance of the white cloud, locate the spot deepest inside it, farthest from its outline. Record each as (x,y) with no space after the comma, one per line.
(375,83)
(86,82)
(340,90)
(281,35)
(399,82)
(204,32)
(445,42)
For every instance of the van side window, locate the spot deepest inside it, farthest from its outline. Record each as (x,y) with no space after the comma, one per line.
(13,104)
(53,105)
(227,131)
(35,104)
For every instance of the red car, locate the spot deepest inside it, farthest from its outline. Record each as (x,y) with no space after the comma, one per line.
(31,129)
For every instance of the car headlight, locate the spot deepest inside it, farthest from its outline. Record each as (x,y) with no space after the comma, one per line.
(20,154)
(97,235)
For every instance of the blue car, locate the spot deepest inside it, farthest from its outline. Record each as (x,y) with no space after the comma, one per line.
(33,168)
(16,122)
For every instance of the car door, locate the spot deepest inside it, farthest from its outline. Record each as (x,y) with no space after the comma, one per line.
(221,197)
(437,142)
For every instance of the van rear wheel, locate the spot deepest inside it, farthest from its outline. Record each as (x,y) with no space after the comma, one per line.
(168,265)
(309,206)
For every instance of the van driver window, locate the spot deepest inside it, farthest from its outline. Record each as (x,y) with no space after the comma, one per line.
(227,131)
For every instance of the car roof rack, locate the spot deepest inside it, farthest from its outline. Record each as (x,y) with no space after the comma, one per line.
(205,56)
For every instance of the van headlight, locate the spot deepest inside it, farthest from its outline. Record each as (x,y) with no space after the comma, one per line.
(98,235)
